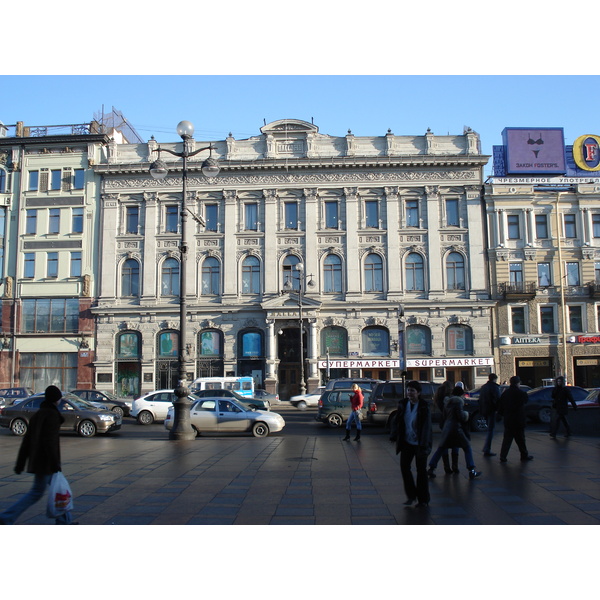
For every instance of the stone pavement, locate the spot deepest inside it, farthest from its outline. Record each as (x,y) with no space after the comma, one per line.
(139,477)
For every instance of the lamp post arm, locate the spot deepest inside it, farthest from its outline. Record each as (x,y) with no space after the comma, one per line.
(182,154)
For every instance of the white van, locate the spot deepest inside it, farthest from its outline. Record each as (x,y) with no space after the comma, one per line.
(242,385)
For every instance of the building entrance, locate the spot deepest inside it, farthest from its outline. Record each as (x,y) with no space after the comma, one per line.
(533,370)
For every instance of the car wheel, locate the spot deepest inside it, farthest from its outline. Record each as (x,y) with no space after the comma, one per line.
(87,429)
(196,431)
(301,405)
(260,430)
(478,423)
(119,411)
(18,427)
(545,415)
(145,418)
(335,420)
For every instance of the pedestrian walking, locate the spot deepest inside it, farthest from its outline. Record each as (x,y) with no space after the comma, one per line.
(511,407)
(356,402)
(413,442)
(443,392)
(455,433)
(40,450)
(488,405)
(561,397)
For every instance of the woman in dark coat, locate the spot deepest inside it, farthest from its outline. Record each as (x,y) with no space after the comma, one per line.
(561,397)
(443,392)
(454,433)
(40,451)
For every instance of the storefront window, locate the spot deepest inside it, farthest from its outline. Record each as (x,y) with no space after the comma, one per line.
(418,339)
(459,340)
(335,341)
(376,341)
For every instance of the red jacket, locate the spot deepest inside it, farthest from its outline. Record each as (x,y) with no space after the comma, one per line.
(356,400)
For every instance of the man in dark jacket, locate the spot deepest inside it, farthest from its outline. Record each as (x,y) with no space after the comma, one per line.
(40,450)
(561,397)
(413,441)
(488,404)
(512,407)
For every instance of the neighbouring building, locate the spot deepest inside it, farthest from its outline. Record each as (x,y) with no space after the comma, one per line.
(543,214)
(301,234)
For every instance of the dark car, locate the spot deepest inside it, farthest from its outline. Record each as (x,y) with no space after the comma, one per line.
(246,400)
(334,406)
(347,383)
(105,400)
(9,396)
(539,402)
(264,395)
(80,416)
(474,394)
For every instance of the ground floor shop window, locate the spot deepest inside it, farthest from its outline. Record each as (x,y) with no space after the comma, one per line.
(38,370)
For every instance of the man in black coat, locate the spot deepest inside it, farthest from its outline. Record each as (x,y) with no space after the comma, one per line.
(40,450)
(488,404)
(561,397)
(512,407)
(413,438)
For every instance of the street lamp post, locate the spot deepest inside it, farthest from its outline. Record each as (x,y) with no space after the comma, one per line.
(288,286)
(182,429)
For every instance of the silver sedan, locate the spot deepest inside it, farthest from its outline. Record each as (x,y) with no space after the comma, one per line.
(225,415)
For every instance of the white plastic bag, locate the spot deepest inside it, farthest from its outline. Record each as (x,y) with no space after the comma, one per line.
(60,498)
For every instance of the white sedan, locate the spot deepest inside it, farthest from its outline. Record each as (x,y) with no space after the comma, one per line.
(303,401)
(225,415)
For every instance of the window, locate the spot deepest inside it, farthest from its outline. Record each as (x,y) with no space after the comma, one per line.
(418,339)
(211,276)
(31,221)
(597,273)
(516,274)
(211,217)
(455,271)
(252,344)
(52,264)
(334,341)
(573,273)
(452,219)
(75,264)
(372,214)
(3,178)
(55,179)
(541,226)
(414,272)
(373,273)
(168,344)
(291,215)
(34,181)
(570,226)
(41,369)
(132,219)
(596,225)
(251,216)
(77,220)
(575,319)
(459,340)
(513,227)
(331,214)
(171,218)
(170,277)
(130,278)
(517,319)
(54,220)
(78,178)
(51,315)
(128,345)
(332,274)
(210,343)
(29,265)
(375,341)
(544,275)
(412,213)
(290,275)
(547,319)
(251,275)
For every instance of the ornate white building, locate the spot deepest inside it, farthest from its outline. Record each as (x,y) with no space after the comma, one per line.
(379,224)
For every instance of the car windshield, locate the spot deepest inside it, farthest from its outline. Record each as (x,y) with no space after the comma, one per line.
(79,402)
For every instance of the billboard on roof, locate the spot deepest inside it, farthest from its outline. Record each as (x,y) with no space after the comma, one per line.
(534,150)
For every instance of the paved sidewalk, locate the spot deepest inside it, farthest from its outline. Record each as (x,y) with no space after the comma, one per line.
(308,480)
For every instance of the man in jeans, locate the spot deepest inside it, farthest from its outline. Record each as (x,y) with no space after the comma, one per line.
(40,448)
(488,404)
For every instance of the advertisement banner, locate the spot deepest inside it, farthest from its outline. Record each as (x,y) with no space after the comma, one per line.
(530,151)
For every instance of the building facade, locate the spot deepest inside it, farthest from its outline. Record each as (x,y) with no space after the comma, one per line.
(543,213)
(340,240)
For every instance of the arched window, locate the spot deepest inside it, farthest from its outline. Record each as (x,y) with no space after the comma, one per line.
(168,344)
(332,274)
(3,178)
(211,343)
(169,280)
(211,276)
(334,341)
(130,278)
(128,368)
(128,345)
(375,341)
(251,275)
(290,273)
(252,344)
(455,271)
(373,273)
(414,272)
(459,340)
(418,339)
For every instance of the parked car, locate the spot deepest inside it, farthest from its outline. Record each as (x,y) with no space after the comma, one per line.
(346,383)
(539,402)
(591,401)
(303,401)
(474,394)
(105,400)
(154,406)
(334,406)
(264,395)
(80,416)
(257,403)
(227,415)
(9,396)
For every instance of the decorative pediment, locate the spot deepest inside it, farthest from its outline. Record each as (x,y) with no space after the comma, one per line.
(290,300)
(284,126)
